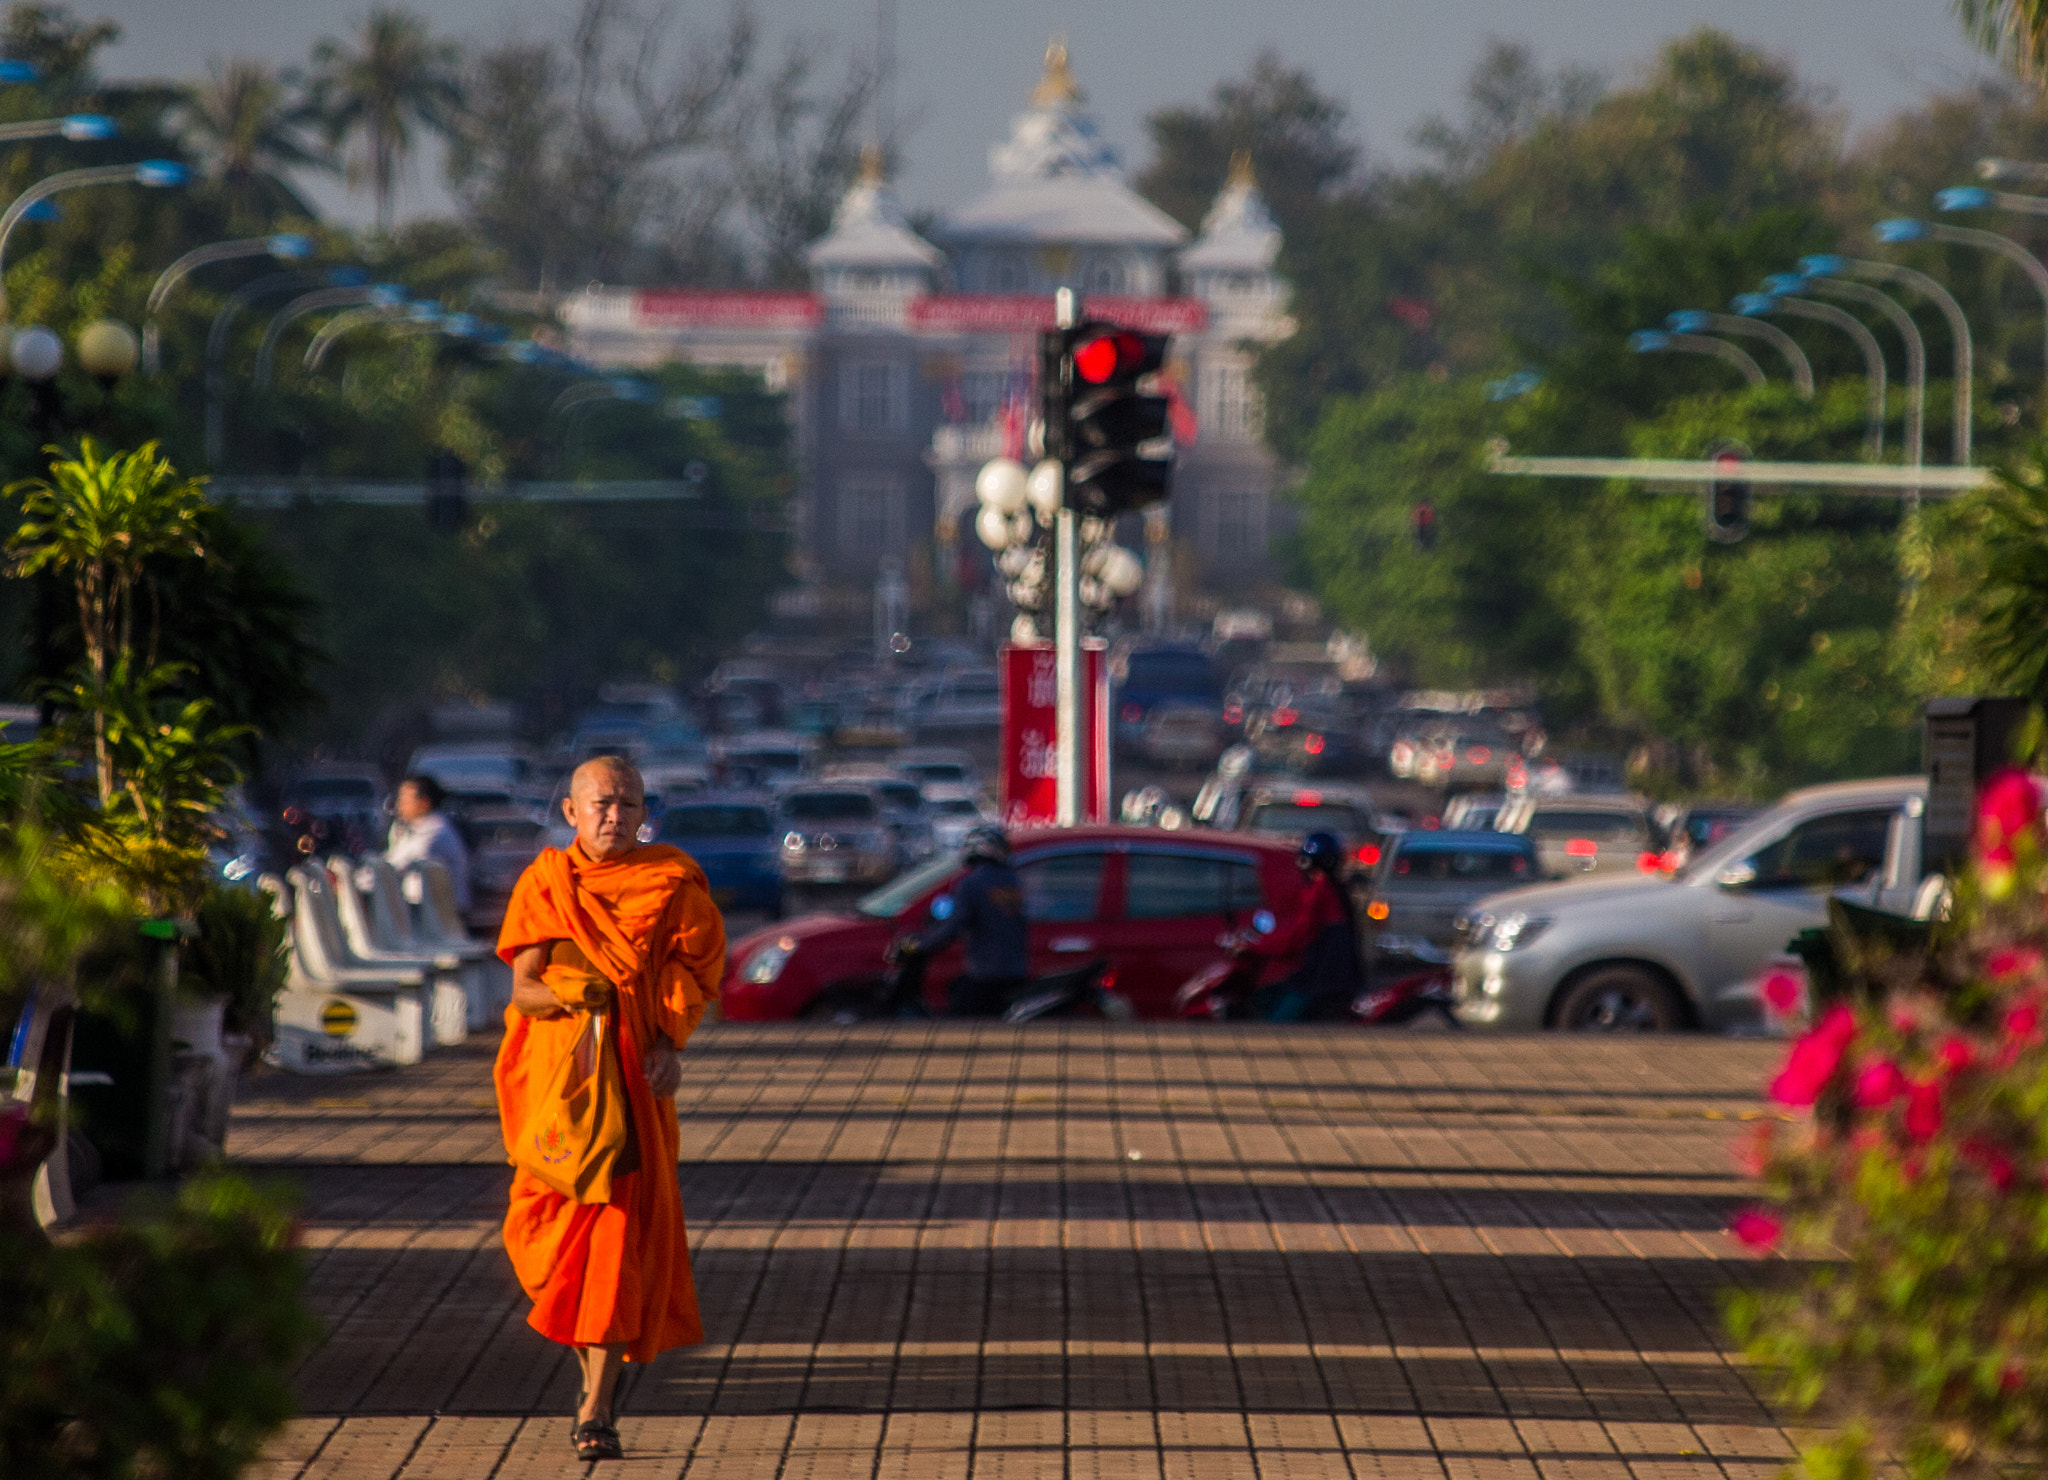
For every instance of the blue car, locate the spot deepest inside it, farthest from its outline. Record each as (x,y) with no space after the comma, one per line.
(1151,676)
(732,836)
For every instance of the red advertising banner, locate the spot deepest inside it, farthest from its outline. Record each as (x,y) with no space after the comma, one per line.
(675,308)
(1030,759)
(1019,313)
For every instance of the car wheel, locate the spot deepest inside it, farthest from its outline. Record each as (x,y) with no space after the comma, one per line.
(1619,999)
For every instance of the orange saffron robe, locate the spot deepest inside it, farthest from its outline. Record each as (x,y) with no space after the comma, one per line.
(612,1272)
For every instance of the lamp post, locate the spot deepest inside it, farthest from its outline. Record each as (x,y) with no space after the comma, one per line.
(1660,341)
(388,295)
(1828,265)
(1916,350)
(340,324)
(285,247)
(1699,321)
(155,174)
(1779,300)
(1970,236)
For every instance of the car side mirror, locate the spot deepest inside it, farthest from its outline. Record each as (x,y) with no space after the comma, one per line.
(942,907)
(1263,922)
(1736,876)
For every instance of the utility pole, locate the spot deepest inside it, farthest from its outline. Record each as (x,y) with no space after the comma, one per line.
(1067,615)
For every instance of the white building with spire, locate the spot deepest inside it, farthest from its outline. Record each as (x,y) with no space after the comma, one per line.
(910,362)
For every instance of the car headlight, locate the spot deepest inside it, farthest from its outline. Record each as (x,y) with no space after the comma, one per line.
(1509,932)
(793,842)
(766,964)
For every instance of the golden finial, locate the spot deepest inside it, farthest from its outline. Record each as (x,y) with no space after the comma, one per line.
(1056,86)
(874,169)
(1240,169)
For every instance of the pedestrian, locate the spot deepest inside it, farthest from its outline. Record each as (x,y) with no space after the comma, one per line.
(422,832)
(614,930)
(988,917)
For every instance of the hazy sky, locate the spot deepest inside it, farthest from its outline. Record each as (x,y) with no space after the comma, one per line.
(964,66)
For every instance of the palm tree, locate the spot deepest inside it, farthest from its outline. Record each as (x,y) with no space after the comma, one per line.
(2013,31)
(243,122)
(99,521)
(396,79)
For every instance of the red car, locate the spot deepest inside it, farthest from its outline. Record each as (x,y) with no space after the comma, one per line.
(1150,903)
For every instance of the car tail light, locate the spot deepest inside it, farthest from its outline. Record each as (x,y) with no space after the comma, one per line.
(1133,713)
(1431,824)
(1233,714)
(1377,910)
(1368,855)
(1285,716)
(1308,799)
(1479,755)
(1582,848)
(1518,774)
(1650,863)
(1313,745)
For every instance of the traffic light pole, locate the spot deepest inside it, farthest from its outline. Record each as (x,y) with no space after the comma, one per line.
(1066,632)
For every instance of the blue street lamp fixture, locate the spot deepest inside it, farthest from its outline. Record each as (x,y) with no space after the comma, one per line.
(78,128)
(154,174)
(1699,321)
(1781,300)
(287,246)
(1659,341)
(1900,231)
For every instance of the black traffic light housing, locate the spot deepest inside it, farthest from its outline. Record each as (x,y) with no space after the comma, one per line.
(1727,502)
(1097,418)
(447,493)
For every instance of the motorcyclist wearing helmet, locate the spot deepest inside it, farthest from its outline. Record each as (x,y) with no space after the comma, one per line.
(1324,934)
(988,917)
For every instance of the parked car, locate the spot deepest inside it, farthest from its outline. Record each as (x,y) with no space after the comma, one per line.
(1180,732)
(1701,825)
(1466,757)
(502,842)
(1147,677)
(1579,835)
(1474,811)
(764,758)
(955,811)
(904,799)
(1425,884)
(967,702)
(734,838)
(480,769)
(1276,808)
(1656,952)
(836,833)
(334,806)
(1150,904)
(674,758)
(929,764)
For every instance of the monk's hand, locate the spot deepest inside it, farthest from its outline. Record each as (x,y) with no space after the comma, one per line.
(664,1070)
(577,989)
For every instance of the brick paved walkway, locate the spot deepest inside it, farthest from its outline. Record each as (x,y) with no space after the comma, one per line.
(1071,1251)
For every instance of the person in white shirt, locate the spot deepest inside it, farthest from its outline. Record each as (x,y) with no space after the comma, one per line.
(421,832)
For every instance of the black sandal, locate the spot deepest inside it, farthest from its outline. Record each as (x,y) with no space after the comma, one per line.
(595,1439)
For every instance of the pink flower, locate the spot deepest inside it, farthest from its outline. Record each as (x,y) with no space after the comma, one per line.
(1878,1083)
(1757,1228)
(1782,990)
(1955,1055)
(2009,806)
(2023,1023)
(2013,961)
(1923,1110)
(1814,1058)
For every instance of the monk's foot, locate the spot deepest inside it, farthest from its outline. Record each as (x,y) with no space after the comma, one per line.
(596,1439)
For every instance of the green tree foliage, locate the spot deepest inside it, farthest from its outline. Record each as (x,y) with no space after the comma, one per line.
(250,128)
(377,94)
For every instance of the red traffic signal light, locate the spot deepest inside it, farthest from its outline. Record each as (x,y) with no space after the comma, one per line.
(1098,422)
(1102,357)
(1727,498)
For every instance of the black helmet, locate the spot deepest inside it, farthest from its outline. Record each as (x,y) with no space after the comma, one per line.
(986,845)
(1321,850)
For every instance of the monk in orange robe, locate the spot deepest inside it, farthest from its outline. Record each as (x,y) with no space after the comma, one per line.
(608,919)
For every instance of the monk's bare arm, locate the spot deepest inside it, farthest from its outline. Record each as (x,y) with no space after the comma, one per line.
(529,994)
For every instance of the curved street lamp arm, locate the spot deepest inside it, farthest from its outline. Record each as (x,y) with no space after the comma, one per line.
(1959,330)
(1785,344)
(1916,355)
(102,174)
(1873,358)
(2012,251)
(340,324)
(291,313)
(170,277)
(1720,349)
(581,395)
(217,345)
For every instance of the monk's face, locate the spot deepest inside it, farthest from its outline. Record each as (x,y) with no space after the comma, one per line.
(606,806)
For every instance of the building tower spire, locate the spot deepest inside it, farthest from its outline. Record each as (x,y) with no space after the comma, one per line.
(1056,86)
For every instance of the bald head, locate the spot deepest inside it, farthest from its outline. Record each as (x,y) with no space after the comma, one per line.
(606,804)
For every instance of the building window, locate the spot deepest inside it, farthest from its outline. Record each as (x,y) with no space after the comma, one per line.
(1105,275)
(1240,526)
(1006,274)
(871,516)
(874,396)
(1231,409)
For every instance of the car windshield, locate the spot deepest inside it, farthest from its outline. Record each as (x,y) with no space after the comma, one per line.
(1573,823)
(1185,673)
(1295,819)
(829,806)
(937,771)
(767,760)
(954,807)
(327,791)
(901,794)
(1426,864)
(716,822)
(889,901)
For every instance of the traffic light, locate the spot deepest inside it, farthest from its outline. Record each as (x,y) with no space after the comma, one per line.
(447,502)
(1422,524)
(1097,419)
(1727,501)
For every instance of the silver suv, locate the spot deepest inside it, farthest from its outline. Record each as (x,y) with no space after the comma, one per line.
(1659,953)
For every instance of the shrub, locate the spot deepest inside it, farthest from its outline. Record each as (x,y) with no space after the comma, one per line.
(1921,1328)
(239,954)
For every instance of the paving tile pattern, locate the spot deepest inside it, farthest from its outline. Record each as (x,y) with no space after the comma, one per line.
(1071,1250)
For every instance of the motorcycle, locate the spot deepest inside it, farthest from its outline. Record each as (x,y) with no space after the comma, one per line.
(1229,991)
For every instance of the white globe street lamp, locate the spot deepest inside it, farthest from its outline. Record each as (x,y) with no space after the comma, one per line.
(1000,486)
(1047,489)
